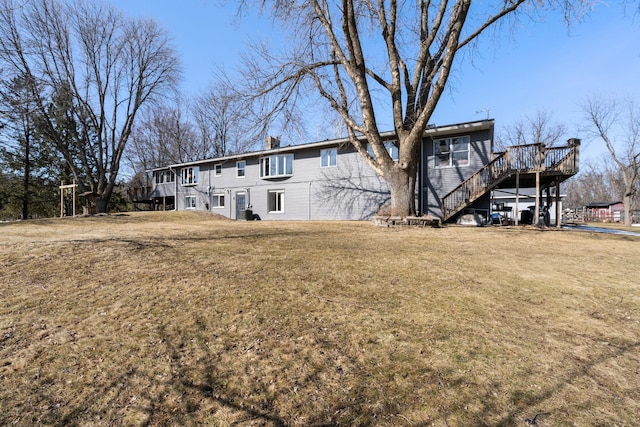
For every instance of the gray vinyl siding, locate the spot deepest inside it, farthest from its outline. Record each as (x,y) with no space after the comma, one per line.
(164,189)
(439,181)
(351,190)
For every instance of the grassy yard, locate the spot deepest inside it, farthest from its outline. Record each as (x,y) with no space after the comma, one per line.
(185,319)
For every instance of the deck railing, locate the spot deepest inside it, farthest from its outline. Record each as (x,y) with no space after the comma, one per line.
(561,159)
(529,158)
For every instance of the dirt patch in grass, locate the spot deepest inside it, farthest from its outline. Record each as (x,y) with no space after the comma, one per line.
(184,319)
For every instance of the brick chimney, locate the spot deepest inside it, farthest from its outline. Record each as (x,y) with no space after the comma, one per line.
(272,142)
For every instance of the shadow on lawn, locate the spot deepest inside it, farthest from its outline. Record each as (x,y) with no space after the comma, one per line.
(241,398)
(532,404)
(201,389)
(198,390)
(327,389)
(166,242)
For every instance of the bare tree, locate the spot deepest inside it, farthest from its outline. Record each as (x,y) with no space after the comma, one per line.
(163,135)
(598,181)
(532,130)
(220,121)
(92,69)
(357,53)
(212,125)
(617,124)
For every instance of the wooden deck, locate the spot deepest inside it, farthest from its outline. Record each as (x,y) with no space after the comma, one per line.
(521,166)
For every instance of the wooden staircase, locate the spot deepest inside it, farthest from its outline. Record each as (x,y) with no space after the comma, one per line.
(557,162)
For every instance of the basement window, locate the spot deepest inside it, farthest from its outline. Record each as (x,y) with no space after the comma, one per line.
(190,202)
(275,200)
(217,201)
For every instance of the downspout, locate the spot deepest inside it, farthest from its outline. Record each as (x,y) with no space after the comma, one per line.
(175,189)
(309,204)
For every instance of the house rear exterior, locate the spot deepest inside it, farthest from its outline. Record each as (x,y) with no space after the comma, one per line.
(326,180)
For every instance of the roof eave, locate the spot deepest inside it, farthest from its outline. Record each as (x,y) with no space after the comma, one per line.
(431,131)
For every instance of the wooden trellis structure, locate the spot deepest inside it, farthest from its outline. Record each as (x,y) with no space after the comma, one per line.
(64,191)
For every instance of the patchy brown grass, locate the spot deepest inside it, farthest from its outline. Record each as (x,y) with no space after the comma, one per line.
(184,319)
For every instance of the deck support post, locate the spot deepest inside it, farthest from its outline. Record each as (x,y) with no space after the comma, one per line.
(517,196)
(558,207)
(536,214)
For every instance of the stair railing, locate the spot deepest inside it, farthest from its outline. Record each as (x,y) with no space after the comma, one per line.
(528,158)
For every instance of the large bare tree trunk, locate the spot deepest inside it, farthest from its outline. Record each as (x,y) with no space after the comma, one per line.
(402,186)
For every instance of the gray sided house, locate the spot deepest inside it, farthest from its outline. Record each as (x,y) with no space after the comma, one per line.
(325,180)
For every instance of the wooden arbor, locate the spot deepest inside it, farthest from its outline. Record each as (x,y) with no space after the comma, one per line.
(65,189)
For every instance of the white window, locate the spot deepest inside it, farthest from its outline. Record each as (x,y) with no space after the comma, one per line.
(217,201)
(240,167)
(190,202)
(189,176)
(451,152)
(275,200)
(218,170)
(391,148)
(276,166)
(328,157)
(164,176)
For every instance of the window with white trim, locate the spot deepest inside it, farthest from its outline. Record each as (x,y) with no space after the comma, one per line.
(241,168)
(164,176)
(217,200)
(450,152)
(190,202)
(391,148)
(189,175)
(276,166)
(275,201)
(328,157)
(217,169)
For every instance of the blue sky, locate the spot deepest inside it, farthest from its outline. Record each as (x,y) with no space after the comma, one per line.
(543,66)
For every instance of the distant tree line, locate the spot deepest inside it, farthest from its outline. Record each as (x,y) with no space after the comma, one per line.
(75,76)
(611,124)
(88,95)
(209,125)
